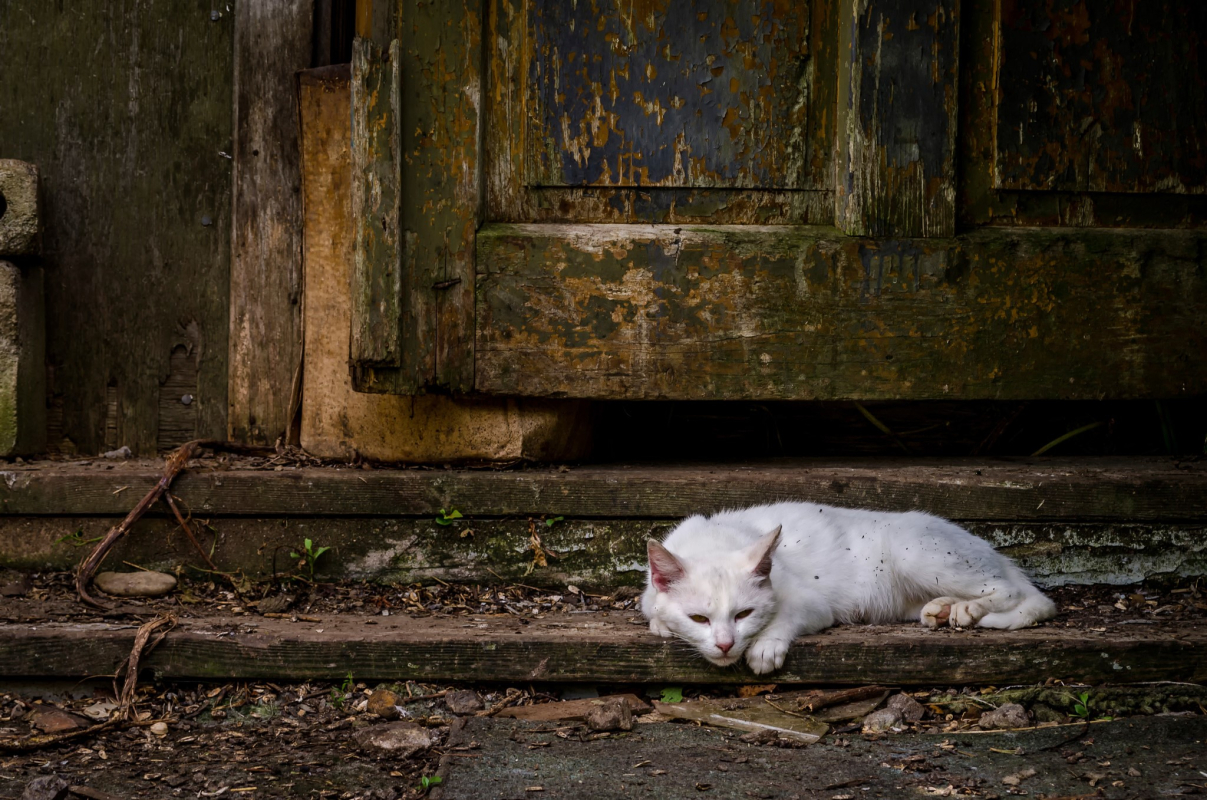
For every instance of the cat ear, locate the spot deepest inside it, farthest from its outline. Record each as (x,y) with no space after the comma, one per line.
(665,569)
(764,549)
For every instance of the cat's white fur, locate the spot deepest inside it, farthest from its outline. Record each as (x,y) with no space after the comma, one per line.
(797,568)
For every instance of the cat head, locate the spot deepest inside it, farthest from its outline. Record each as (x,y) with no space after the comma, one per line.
(719,603)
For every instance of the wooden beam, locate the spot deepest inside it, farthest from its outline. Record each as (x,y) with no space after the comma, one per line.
(1135,490)
(413,300)
(595,554)
(897,116)
(610,647)
(645,312)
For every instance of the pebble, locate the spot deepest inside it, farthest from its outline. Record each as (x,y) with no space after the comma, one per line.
(384,704)
(613,715)
(880,721)
(463,702)
(160,729)
(1010,715)
(48,787)
(909,708)
(135,584)
(398,739)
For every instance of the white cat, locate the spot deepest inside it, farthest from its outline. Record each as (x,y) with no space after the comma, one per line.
(751,581)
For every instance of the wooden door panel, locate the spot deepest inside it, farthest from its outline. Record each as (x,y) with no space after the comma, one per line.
(1102,97)
(646,312)
(671,93)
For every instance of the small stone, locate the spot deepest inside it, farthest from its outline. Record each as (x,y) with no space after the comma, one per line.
(880,721)
(909,708)
(1018,777)
(18,588)
(135,584)
(121,452)
(1011,715)
(613,715)
(48,787)
(760,737)
(53,720)
(463,702)
(397,739)
(160,729)
(1133,772)
(384,704)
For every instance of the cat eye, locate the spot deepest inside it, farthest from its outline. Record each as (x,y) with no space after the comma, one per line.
(743,614)
(700,618)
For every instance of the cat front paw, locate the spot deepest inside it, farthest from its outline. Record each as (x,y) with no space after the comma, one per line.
(767,655)
(660,629)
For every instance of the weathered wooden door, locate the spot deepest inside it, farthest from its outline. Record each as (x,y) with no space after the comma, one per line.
(781,199)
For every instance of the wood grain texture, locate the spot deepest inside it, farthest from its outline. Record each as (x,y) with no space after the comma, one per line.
(965,489)
(272,42)
(1102,97)
(513,114)
(607,648)
(700,93)
(748,312)
(440,46)
(897,115)
(129,122)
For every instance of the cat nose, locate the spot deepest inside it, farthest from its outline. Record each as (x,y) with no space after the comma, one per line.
(724,648)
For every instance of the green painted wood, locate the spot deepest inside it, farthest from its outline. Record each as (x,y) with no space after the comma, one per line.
(966,489)
(376,167)
(439,196)
(897,114)
(125,108)
(758,312)
(608,648)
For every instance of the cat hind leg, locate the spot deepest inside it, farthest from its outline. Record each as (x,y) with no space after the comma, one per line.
(1005,608)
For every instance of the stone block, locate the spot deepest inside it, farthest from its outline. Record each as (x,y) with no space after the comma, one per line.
(20,221)
(22,360)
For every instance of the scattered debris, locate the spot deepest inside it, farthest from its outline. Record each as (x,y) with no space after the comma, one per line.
(275,604)
(121,452)
(1014,779)
(1010,715)
(49,719)
(135,584)
(17,588)
(48,787)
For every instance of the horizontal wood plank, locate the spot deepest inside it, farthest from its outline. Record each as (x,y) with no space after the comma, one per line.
(966,489)
(647,312)
(615,648)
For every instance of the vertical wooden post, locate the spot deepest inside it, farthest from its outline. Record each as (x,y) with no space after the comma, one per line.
(272,42)
(416,195)
(897,118)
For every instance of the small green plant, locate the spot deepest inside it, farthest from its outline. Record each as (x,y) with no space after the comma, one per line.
(1081,705)
(447,517)
(348,684)
(672,694)
(426,783)
(307,557)
(77,539)
(337,695)
(549,523)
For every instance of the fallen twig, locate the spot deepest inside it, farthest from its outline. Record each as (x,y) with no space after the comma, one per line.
(842,696)
(174,464)
(142,646)
(40,741)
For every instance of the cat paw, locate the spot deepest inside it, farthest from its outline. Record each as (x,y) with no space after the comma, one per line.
(660,629)
(767,655)
(953,612)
